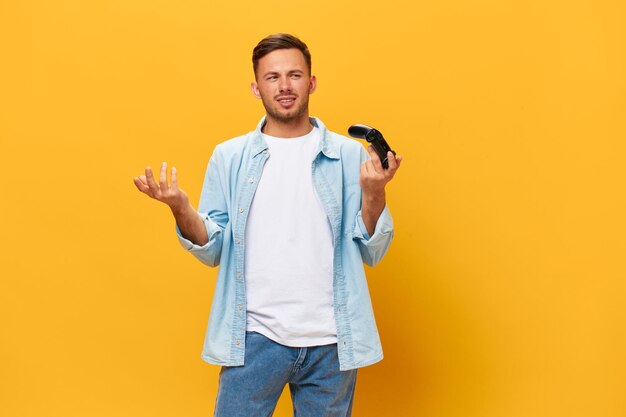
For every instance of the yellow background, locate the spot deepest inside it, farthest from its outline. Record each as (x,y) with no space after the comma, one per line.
(503,294)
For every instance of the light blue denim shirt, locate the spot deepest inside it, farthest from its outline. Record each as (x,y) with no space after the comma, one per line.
(231,179)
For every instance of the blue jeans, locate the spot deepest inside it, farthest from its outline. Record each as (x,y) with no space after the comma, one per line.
(318,388)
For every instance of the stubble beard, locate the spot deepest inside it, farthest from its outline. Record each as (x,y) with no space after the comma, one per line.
(291,115)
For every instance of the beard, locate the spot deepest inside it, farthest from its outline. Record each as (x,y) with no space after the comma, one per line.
(286,116)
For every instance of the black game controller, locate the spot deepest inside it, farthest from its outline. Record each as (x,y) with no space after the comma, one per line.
(375,138)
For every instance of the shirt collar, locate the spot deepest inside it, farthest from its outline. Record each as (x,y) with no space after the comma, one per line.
(327,147)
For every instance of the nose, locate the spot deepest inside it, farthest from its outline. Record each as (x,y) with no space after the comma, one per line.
(284,85)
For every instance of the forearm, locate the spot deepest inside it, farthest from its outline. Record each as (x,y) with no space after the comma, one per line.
(372,204)
(191,225)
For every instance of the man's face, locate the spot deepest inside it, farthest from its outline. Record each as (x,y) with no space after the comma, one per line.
(283,83)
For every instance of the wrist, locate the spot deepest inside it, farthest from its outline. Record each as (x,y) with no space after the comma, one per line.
(374,198)
(181,209)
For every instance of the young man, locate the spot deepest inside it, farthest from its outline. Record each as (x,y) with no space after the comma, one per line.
(290,211)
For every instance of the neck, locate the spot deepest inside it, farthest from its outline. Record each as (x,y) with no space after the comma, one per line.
(287,129)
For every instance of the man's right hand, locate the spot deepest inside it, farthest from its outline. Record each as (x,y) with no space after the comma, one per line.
(169,194)
(189,222)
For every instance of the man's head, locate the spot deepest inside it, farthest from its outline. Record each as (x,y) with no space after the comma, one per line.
(279,41)
(283,80)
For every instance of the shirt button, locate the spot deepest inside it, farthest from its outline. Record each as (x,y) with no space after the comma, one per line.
(241,210)
(239,307)
(237,342)
(251,180)
(237,241)
(265,152)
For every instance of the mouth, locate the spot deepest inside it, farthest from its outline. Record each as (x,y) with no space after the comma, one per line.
(286,101)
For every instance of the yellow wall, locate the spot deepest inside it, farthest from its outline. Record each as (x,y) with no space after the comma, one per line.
(503,294)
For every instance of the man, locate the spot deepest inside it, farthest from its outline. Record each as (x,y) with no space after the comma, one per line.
(290,211)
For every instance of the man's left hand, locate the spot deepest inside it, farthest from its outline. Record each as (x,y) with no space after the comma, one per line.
(374,177)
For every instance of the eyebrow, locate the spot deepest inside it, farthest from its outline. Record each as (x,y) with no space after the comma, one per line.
(296,71)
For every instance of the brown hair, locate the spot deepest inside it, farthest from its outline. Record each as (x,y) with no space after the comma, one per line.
(279,41)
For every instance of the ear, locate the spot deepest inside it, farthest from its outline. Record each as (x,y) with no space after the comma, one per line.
(255,89)
(312,84)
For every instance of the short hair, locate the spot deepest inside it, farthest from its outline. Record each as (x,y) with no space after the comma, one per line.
(279,41)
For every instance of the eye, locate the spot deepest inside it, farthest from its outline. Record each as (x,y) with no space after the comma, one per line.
(296,76)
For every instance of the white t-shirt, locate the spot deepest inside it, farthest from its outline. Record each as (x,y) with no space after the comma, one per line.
(289,250)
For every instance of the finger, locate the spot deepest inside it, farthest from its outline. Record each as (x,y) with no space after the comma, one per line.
(376,163)
(142,178)
(163,177)
(392,161)
(368,168)
(174,178)
(154,188)
(364,169)
(141,186)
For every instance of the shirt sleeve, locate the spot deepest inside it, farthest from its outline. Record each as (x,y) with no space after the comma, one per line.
(209,253)
(374,247)
(214,212)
